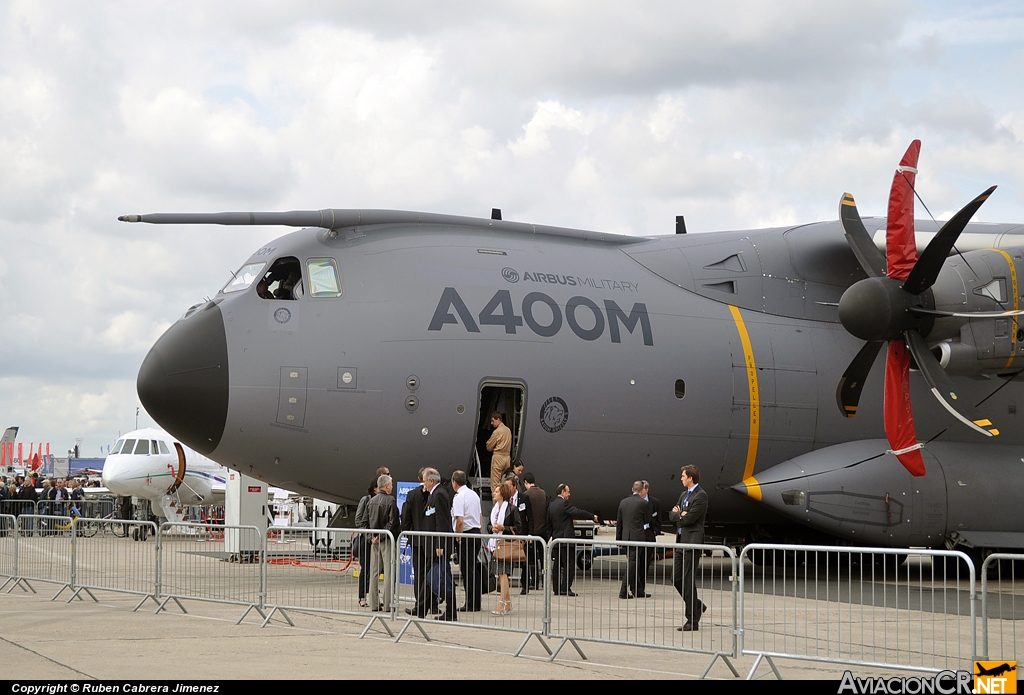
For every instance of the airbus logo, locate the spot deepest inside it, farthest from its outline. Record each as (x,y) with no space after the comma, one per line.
(512,275)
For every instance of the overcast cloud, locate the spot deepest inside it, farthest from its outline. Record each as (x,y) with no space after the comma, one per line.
(602,115)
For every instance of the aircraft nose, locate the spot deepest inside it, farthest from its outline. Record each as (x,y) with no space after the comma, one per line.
(183,382)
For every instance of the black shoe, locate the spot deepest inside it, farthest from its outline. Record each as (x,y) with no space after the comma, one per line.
(688,627)
(626,596)
(645,596)
(445,616)
(468,609)
(565,593)
(410,611)
(524,591)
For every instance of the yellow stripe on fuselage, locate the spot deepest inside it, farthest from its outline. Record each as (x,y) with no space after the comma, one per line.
(755,408)
(753,488)
(1016,306)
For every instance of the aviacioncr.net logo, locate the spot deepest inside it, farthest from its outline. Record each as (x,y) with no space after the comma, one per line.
(510,274)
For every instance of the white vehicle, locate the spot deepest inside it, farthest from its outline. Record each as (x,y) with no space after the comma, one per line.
(150,465)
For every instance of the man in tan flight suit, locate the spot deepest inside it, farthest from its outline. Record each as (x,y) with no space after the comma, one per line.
(501,444)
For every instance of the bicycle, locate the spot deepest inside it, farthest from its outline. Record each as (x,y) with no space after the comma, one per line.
(87,527)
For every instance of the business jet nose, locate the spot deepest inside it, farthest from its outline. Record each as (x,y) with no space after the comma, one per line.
(183,382)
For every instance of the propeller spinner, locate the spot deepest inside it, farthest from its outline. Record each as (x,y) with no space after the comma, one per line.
(895,304)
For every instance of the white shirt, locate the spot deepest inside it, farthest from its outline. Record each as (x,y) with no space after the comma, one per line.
(467,505)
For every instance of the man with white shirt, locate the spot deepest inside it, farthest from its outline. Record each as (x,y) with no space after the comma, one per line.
(466,519)
(688,516)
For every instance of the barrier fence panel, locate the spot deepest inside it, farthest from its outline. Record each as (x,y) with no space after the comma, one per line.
(44,550)
(17,507)
(1002,607)
(449,577)
(323,570)
(8,549)
(91,508)
(878,607)
(633,593)
(211,562)
(114,556)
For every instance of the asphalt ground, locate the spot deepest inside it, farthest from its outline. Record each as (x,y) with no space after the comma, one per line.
(53,640)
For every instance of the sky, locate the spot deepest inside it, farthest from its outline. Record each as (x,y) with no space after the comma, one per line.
(597,115)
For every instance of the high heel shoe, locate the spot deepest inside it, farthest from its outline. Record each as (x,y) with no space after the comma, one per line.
(505,607)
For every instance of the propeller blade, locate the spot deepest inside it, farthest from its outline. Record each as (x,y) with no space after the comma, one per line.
(966,314)
(870,258)
(900,245)
(927,268)
(899,416)
(942,387)
(852,382)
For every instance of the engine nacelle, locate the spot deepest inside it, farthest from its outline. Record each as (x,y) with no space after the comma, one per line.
(980,281)
(856,492)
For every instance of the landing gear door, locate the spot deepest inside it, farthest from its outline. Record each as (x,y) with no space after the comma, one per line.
(291,404)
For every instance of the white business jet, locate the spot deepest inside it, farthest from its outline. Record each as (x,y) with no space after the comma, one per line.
(150,465)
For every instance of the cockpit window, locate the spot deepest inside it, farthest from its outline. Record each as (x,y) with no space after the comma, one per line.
(282,281)
(117,446)
(244,277)
(142,447)
(323,278)
(163,448)
(129,444)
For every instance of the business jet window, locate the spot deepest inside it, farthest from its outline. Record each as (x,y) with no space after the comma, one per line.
(282,281)
(142,447)
(246,275)
(323,278)
(163,448)
(117,446)
(129,444)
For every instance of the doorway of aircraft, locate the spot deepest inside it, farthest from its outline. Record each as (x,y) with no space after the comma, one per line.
(507,398)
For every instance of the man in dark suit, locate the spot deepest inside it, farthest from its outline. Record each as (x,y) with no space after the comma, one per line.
(631,525)
(560,516)
(653,523)
(414,519)
(688,516)
(438,517)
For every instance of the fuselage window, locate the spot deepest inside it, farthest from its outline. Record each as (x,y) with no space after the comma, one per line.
(163,448)
(142,447)
(680,389)
(117,447)
(129,444)
(244,277)
(323,278)
(282,281)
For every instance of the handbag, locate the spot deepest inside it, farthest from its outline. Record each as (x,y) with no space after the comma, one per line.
(510,551)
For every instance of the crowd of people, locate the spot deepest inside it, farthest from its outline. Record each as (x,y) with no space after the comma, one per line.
(519,508)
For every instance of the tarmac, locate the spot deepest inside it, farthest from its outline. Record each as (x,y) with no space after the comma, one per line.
(53,640)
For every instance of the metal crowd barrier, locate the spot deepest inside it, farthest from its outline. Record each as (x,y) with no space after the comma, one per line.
(211,562)
(425,578)
(17,507)
(8,549)
(320,572)
(634,594)
(113,555)
(45,552)
(875,607)
(90,508)
(1001,607)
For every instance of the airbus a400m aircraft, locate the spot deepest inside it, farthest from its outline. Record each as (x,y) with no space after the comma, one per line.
(375,337)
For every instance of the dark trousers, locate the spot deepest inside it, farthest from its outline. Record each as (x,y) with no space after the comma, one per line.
(441,588)
(635,581)
(423,558)
(469,550)
(363,554)
(685,564)
(563,568)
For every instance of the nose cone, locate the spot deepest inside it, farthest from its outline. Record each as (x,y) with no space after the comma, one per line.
(183,382)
